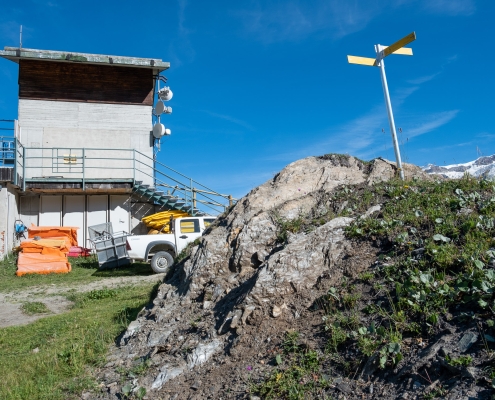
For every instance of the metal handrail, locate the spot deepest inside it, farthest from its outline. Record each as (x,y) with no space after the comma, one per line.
(78,162)
(7,153)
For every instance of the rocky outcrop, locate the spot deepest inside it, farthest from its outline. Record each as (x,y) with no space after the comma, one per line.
(241,276)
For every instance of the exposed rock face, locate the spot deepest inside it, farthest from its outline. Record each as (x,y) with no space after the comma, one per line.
(240,276)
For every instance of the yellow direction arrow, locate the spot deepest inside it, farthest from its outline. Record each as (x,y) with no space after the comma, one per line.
(405,51)
(361,60)
(400,43)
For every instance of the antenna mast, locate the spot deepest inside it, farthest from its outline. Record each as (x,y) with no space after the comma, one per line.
(20,39)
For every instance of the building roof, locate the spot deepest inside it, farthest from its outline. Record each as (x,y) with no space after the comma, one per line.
(15,54)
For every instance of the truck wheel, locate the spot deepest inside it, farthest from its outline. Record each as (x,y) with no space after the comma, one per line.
(161,262)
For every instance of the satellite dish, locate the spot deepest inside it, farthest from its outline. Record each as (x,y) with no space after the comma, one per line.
(160,107)
(168,132)
(165,94)
(158,130)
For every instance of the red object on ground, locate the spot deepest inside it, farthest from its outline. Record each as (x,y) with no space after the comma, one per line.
(78,251)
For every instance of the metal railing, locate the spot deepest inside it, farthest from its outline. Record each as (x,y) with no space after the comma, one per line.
(67,164)
(7,151)
(7,143)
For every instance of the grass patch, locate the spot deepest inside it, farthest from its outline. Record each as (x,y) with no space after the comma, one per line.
(297,374)
(68,345)
(34,307)
(84,270)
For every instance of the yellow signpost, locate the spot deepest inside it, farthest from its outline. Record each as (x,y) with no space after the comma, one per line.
(382,52)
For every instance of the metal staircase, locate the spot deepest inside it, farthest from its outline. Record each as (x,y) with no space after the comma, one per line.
(167,201)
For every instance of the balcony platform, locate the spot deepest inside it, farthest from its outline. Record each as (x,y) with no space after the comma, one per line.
(71,185)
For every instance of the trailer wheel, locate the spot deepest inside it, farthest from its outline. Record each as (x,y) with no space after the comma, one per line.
(161,262)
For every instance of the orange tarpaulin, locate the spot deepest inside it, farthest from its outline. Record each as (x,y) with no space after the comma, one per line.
(48,254)
(38,246)
(50,232)
(38,263)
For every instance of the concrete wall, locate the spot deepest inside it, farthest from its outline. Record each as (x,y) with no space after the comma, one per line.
(124,211)
(45,125)
(8,215)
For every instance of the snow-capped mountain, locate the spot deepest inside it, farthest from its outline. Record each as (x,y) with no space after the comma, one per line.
(483,166)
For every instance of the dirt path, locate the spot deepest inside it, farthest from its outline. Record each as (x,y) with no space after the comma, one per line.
(54,297)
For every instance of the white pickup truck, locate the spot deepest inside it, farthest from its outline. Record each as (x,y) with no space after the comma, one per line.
(161,249)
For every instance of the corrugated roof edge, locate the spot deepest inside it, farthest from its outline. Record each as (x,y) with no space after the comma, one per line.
(14,54)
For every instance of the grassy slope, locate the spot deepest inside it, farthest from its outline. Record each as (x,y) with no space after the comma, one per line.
(49,358)
(436,263)
(52,358)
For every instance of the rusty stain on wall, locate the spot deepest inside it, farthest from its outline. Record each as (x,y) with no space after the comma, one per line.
(2,242)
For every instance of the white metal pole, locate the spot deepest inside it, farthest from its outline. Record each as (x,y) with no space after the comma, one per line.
(378,49)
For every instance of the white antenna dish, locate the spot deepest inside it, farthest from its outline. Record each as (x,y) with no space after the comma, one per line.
(161,108)
(158,130)
(168,132)
(165,94)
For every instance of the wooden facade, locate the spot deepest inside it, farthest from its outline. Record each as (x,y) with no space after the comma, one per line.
(63,81)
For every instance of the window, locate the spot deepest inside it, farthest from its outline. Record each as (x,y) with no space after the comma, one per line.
(189,226)
(208,221)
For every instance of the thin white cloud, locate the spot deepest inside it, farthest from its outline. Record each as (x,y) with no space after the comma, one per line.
(402,94)
(181,50)
(450,7)
(294,20)
(432,122)
(427,78)
(350,138)
(363,137)
(182,18)
(355,137)
(231,119)
(423,79)
(44,3)
(443,148)
(9,32)
(486,135)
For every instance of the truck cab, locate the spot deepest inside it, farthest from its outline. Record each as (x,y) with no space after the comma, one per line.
(161,249)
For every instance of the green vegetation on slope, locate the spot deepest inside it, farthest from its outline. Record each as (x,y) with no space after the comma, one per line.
(52,357)
(436,258)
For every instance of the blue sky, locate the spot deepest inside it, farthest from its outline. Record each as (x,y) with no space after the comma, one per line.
(259,84)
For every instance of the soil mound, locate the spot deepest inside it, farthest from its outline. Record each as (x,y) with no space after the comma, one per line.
(263,298)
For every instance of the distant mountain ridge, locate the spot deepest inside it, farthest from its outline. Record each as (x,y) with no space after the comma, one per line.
(482,166)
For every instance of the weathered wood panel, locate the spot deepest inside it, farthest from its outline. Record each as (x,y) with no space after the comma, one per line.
(49,80)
